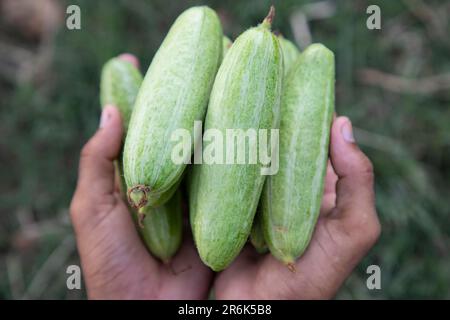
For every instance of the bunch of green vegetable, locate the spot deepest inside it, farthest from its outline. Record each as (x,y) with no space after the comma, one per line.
(259,81)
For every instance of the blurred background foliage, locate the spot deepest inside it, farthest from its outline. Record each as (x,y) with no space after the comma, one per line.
(393,83)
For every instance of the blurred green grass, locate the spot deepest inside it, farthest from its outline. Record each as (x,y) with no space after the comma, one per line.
(406,135)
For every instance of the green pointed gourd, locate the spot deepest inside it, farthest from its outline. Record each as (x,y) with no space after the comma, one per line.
(174,94)
(290,53)
(119,84)
(257,234)
(246,95)
(162,231)
(292,198)
(226,45)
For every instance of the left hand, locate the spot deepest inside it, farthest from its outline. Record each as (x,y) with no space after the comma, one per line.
(115,262)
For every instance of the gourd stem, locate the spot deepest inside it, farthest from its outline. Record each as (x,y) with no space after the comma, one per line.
(138,196)
(267,22)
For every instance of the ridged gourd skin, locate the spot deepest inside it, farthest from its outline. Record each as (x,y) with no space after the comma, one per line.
(257,234)
(246,94)
(119,85)
(162,229)
(290,53)
(192,190)
(226,45)
(292,198)
(162,232)
(174,94)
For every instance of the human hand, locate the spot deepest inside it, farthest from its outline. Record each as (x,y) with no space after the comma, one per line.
(115,263)
(347,228)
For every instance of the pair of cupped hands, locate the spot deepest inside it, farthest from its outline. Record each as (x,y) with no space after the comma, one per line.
(116,264)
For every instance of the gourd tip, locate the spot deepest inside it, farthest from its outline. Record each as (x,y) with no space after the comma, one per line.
(267,22)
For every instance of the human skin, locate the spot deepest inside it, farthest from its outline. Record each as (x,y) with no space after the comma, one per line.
(347,228)
(116,264)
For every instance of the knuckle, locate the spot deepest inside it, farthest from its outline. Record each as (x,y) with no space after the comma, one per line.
(366,166)
(86,151)
(87,155)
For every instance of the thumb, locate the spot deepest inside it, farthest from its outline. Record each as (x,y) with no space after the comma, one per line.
(96,169)
(354,189)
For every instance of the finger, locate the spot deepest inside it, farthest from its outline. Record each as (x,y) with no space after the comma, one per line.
(241,272)
(329,193)
(96,169)
(130,58)
(186,270)
(248,256)
(113,256)
(135,62)
(353,168)
(355,199)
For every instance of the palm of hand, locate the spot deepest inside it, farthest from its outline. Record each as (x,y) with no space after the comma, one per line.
(116,264)
(125,269)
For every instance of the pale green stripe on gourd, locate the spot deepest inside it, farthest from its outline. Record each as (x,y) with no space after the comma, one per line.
(246,94)
(163,226)
(226,45)
(291,199)
(290,53)
(174,94)
(119,84)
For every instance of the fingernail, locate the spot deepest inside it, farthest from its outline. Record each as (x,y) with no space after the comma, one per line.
(347,132)
(105,117)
